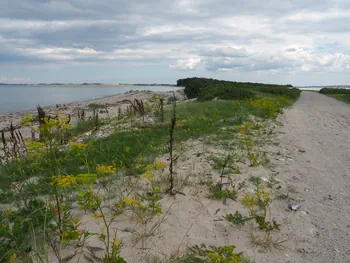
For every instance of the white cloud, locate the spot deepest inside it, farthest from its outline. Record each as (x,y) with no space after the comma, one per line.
(318,16)
(271,37)
(186,64)
(54,25)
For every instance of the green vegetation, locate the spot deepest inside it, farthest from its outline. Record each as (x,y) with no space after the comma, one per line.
(216,193)
(47,180)
(208,89)
(339,94)
(212,254)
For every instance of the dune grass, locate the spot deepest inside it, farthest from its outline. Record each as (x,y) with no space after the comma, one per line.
(56,171)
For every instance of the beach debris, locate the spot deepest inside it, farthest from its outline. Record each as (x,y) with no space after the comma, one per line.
(264,179)
(294,207)
(307,190)
(328,198)
(129,229)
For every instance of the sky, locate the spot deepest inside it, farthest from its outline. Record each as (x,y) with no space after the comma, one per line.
(298,42)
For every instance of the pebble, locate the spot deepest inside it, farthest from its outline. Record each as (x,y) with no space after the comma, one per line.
(264,179)
(294,207)
(307,190)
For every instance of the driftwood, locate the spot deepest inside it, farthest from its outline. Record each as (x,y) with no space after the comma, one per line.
(8,129)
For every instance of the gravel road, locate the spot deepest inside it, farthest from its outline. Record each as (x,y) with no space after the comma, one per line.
(316,136)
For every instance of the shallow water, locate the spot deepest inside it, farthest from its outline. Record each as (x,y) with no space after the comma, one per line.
(18,98)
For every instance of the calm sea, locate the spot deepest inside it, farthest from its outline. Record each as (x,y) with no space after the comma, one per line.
(16,98)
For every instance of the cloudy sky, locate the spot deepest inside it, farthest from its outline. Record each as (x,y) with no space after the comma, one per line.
(302,42)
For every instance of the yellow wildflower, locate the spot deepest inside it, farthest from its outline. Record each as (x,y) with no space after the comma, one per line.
(148,175)
(126,148)
(138,165)
(77,145)
(35,145)
(13,258)
(156,165)
(96,215)
(159,165)
(131,201)
(122,165)
(63,181)
(116,242)
(105,169)
(214,257)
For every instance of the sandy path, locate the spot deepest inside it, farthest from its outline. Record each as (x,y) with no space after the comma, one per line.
(320,126)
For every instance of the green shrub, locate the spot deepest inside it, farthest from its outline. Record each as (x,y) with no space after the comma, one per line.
(225,93)
(207,89)
(334,91)
(212,254)
(292,93)
(193,87)
(216,193)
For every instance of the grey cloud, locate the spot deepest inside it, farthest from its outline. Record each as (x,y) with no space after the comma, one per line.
(226,52)
(222,34)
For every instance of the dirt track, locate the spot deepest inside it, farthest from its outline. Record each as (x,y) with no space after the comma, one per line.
(319,178)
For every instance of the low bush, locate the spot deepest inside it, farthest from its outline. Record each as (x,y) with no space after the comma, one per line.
(225,93)
(292,93)
(208,89)
(334,91)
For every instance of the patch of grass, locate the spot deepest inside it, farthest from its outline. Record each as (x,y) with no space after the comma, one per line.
(237,218)
(206,182)
(341,97)
(256,180)
(97,106)
(204,254)
(83,126)
(220,194)
(339,94)
(266,241)
(334,91)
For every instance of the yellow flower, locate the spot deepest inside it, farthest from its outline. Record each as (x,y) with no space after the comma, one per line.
(63,181)
(35,145)
(105,169)
(13,258)
(159,165)
(148,175)
(214,257)
(138,165)
(156,165)
(126,148)
(96,215)
(131,201)
(122,165)
(116,242)
(77,145)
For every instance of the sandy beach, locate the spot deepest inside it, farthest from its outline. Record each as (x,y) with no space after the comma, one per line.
(113,104)
(309,163)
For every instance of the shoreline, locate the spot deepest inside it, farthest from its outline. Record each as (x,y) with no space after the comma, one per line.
(90,84)
(113,102)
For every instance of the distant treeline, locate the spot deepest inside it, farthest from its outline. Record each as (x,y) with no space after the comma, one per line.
(334,91)
(208,89)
